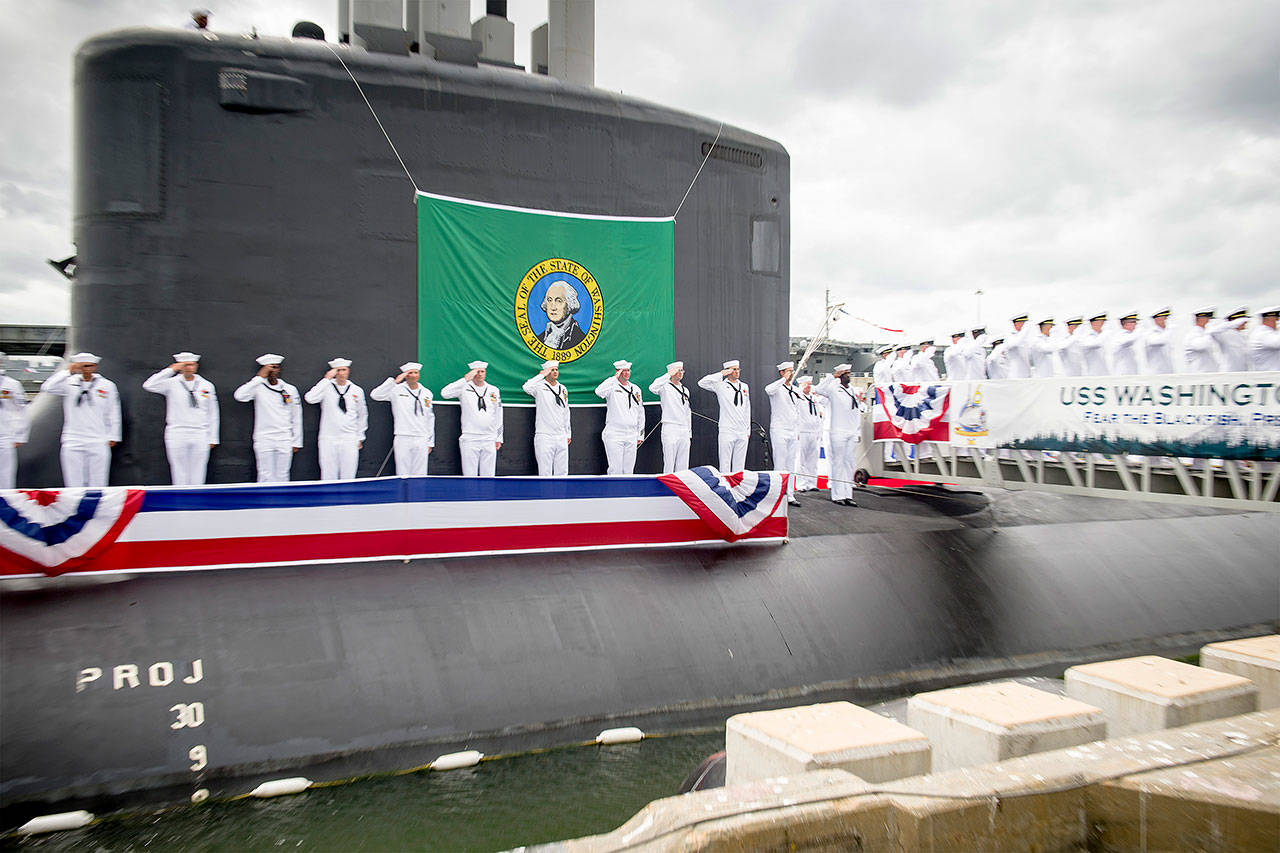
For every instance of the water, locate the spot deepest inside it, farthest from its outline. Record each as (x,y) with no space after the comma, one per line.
(497,805)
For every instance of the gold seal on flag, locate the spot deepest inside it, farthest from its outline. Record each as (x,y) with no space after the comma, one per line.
(559,310)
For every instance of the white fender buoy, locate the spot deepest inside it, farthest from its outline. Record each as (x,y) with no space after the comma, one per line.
(630,734)
(59,822)
(199,795)
(457,760)
(281,787)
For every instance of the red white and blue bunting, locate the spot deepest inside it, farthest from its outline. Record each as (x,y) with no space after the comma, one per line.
(911,413)
(734,505)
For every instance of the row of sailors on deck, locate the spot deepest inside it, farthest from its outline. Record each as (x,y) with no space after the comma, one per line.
(92,419)
(1087,347)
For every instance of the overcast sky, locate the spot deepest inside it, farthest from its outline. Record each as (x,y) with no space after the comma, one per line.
(1059,156)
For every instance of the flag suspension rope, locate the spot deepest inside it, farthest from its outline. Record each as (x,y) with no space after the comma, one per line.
(375,117)
(714,142)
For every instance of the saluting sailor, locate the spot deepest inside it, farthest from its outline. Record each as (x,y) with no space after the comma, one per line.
(1264,341)
(956,359)
(1092,346)
(882,371)
(481,405)
(735,414)
(415,420)
(976,353)
(90,420)
(552,431)
(344,418)
(784,424)
(809,410)
(901,370)
(15,426)
(1124,355)
(923,368)
(623,419)
(1071,356)
(1157,343)
(1044,349)
(277,419)
(191,418)
(845,406)
(676,417)
(1199,346)
(1017,349)
(997,362)
(1232,340)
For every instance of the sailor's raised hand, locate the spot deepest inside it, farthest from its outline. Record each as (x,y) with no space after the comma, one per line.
(402,377)
(176,366)
(263,371)
(330,373)
(471,375)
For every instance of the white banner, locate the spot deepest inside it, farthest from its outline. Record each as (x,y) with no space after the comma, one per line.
(1215,415)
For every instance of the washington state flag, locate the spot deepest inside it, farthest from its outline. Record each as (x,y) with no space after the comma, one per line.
(517,287)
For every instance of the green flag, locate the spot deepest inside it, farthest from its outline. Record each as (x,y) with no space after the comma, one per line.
(517,287)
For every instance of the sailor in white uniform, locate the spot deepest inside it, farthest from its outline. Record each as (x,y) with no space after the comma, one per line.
(415,420)
(956,357)
(1070,357)
(1124,346)
(810,415)
(90,420)
(1017,349)
(623,419)
(997,363)
(882,371)
(1044,351)
(784,423)
(676,417)
(923,368)
(277,419)
(15,426)
(481,405)
(735,414)
(976,352)
(552,431)
(1200,347)
(1233,341)
(845,407)
(1264,341)
(1093,352)
(1157,342)
(344,418)
(901,370)
(191,418)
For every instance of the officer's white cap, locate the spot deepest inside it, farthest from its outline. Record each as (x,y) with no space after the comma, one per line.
(547,365)
(1206,310)
(927,343)
(1020,318)
(1238,313)
(675,365)
(1101,315)
(1077,320)
(185,356)
(85,358)
(1162,311)
(622,364)
(410,365)
(200,13)
(885,350)
(1265,312)
(478,365)
(1048,320)
(805,379)
(955,335)
(731,363)
(786,365)
(270,358)
(840,367)
(340,362)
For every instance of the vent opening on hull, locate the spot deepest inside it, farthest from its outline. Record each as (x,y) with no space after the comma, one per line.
(730,154)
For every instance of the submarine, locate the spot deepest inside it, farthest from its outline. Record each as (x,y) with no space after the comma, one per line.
(234,195)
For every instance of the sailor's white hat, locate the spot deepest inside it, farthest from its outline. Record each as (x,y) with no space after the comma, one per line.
(1239,313)
(675,365)
(901,347)
(1270,312)
(1162,311)
(733,362)
(269,358)
(926,343)
(200,13)
(1206,311)
(410,365)
(786,365)
(547,365)
(1075,320)
(1101,315)
(622,364)
(840,367)
(339,362)
(478,365)
(85,358)
(1132,315)
(885,350)
(1020,318)
(185,356)
(1048,320)
(959,334)
(803,379)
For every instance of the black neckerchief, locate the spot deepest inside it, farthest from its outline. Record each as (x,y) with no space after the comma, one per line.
(284,398)
(631,400)
(554,392)
(191,392)
(682,391)
(84,392)
(480,406)
(813,408)
(342,395)
(737,391)
(417,400)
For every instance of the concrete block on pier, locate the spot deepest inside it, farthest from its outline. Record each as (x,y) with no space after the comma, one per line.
(832,735)
(1257,659)
(1150,693)
(975,725)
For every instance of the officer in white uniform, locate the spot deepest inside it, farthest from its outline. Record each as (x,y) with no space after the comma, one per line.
(15,426)
(882,371)
(481,404)
(1124,346)
(277,419)
(676,417)
(784,424)
(551,429)
(735,414)
(1070,357)
(976,353)
(1200,347)
(1017,349)
(845,407)
(1157,342)
(923,368)
(344,418)
(1233,341)
(90,420)
(191,418)
(997,363)
(956,358)
(623,419)
(1264,341)
(1044,351)
(415,420)
(1092,346)
(810,415)
(901,369)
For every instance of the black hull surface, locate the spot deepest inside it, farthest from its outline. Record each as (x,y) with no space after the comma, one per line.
(345,669)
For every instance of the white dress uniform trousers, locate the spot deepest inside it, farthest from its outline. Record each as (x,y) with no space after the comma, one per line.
(845,408)
(552,428)
(277,425)
(676,422)
(735,419)
(623,424)
(344,418)
(90,421)
(784,428)
(481,425)
(15,428)
(415,424)
(808,440)
(191,423)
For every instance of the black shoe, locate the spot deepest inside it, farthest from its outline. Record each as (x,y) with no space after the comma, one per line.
(849,502)
(794,502)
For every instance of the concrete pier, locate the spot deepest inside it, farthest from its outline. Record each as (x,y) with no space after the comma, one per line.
(1255,658)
